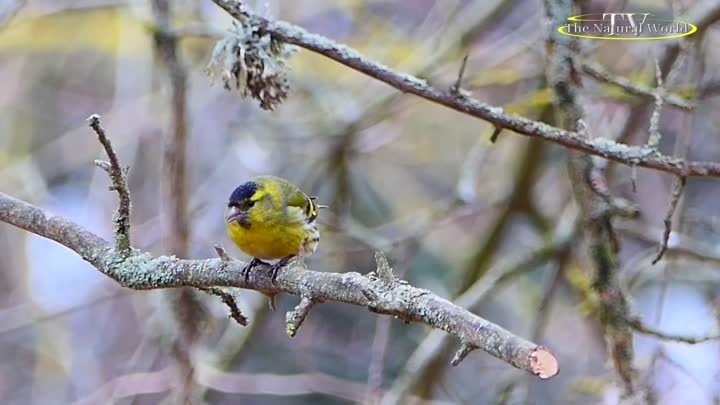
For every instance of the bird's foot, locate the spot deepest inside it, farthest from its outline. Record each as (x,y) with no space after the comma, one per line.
(275,268)
(249,266)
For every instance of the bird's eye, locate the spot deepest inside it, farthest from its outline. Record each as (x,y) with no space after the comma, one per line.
(249,203)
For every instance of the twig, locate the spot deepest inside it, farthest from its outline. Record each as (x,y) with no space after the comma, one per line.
(599,73)
(119,184)
(640,327)
(229,300)
(678,187)
(682,244)
(654,131)
(457,87)
(295,318)
(625,154)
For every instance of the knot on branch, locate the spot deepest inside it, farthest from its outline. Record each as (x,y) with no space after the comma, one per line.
(222,253)
(252,61)
(384,271)
(387,281)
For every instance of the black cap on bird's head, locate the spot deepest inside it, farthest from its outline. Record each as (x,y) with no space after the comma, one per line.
(242,192)
(239,204)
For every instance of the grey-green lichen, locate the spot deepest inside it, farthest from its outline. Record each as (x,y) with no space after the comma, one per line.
(140,270)
(252,61)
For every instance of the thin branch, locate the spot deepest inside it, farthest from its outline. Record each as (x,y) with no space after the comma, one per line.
(681,244)
(458,83)
(174,164)
(640,327)
(654,131)
(599,73)
(295,318)
(187,307)
(229,300)
(678,187)
(641,156)
(118,177)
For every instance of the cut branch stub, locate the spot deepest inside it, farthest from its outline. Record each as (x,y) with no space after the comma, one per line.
(495,134)
(543,363)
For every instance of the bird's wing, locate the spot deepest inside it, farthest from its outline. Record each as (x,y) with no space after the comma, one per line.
(296,198)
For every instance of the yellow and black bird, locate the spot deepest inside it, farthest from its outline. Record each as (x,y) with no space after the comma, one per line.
(270,218)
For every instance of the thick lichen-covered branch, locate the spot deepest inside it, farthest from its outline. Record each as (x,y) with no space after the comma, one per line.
(464,103)
(142,271)
(592,196)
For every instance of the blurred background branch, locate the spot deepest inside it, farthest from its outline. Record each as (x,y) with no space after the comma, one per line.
(187,307)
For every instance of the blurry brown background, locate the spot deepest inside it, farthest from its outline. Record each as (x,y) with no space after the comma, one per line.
(400,174)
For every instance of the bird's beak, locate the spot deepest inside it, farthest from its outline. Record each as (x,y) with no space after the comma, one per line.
(235,214)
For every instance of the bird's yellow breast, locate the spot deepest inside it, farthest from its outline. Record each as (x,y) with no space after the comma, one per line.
(268,240)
